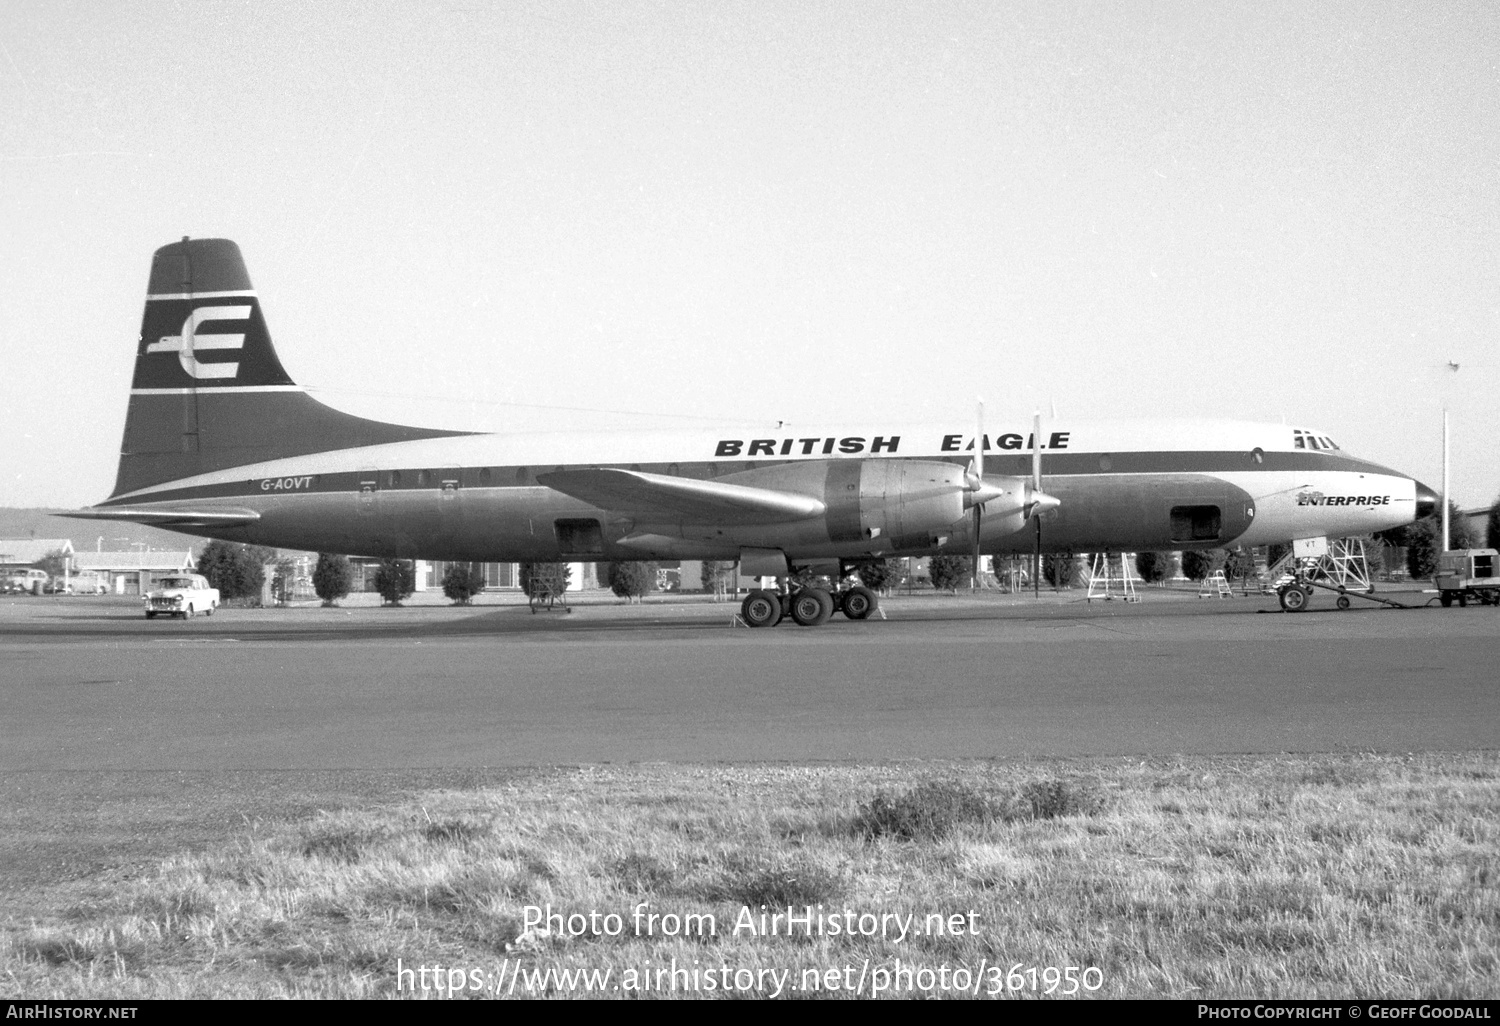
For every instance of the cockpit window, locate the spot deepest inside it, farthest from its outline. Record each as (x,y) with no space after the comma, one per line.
(1307,440)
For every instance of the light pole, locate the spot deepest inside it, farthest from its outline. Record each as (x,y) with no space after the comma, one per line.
(1445,480)
(1453,366)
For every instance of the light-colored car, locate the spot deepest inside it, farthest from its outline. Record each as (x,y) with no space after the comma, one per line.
(86,583)
(182,595)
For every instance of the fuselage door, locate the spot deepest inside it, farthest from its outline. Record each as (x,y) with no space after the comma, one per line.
(369,485)
(579,538)
(1197,523)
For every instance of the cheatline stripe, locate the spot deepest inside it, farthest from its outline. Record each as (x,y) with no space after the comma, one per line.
(199,295)
(223,388)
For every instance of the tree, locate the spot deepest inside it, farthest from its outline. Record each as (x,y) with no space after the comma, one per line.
(875,574)
(1060,569)
(462,581)
(1421,548)
(1423,541)
(1154,567)
(948,572)
(1198,564)
(1492,532)
(54,564)
(238,571)
(717,576)
(544,580)
(394,580)
(332,577)
(631,579)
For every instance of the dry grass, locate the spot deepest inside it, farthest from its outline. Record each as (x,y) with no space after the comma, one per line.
(1331,876)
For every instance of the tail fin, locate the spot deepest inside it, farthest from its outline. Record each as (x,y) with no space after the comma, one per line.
(209,391)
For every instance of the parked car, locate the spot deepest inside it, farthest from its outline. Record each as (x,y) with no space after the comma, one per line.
(30,582)
(182,595)
(86,583)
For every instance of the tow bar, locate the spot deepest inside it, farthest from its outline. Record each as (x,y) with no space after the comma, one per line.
(1344,594)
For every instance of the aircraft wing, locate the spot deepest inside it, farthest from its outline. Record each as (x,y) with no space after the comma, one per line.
(637,493)
(168,517)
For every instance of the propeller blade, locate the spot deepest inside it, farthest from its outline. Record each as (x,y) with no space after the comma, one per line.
(1036,490)
(1036,452)
(1036,562)
(978,493)
(979,440)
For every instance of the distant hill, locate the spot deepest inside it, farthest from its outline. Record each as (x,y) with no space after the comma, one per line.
(117,535)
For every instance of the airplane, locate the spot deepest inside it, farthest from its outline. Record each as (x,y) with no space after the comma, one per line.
(220,441)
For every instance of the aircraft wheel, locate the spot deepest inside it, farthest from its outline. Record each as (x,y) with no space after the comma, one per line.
(761,608)
(1446,598)
(812,606)
(1343,602)
(859,603)
(1294,598)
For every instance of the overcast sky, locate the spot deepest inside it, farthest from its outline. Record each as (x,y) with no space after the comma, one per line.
(761,211)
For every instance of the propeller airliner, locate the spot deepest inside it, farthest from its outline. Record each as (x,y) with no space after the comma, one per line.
(220,441)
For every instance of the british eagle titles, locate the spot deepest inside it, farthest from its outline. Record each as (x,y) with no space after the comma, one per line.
(822,446)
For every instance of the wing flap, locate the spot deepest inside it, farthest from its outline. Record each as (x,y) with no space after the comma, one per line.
(641,494)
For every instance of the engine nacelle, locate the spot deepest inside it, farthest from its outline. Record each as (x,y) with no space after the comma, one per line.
(906,503)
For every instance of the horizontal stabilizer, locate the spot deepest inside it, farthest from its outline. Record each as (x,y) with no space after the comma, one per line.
(645,495)
(168,517)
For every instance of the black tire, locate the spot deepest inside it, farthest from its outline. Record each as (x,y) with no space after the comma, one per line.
(1342,602)
(859,603)
(1463,600)
(1446,598)
(1294,598)
(150,615)
(811,607)
(761,608)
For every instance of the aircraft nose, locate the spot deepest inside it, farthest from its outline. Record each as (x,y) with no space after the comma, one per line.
(1427,500)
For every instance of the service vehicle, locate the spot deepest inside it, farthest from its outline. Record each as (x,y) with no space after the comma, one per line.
(182,595)
(1465,574)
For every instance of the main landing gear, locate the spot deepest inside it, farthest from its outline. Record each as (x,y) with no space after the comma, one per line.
(808,606)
